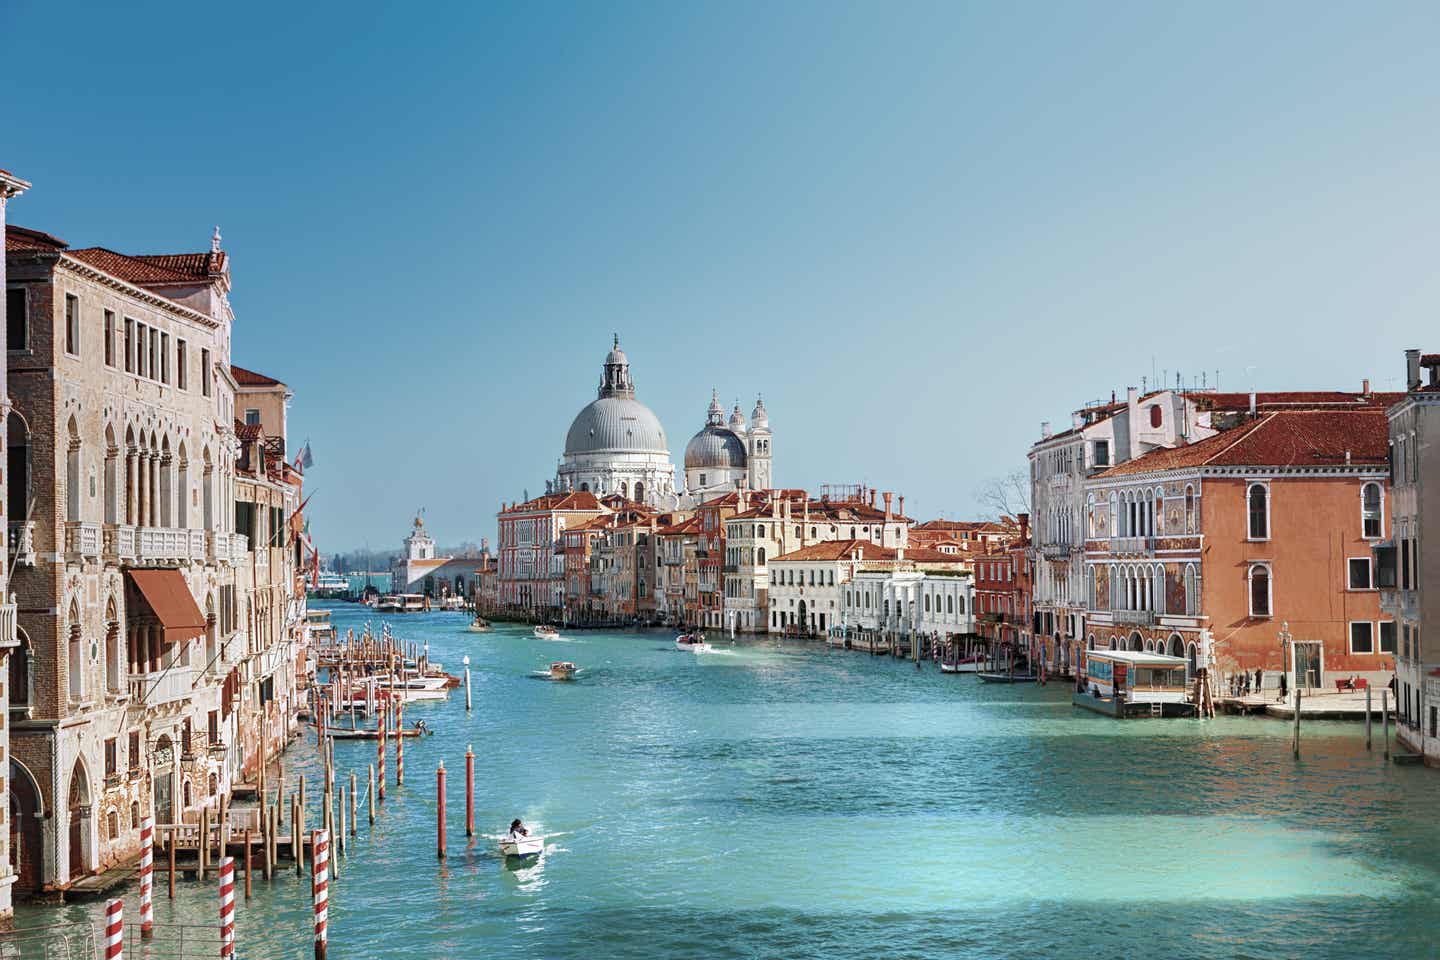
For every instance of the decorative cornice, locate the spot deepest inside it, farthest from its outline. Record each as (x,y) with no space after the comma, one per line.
(139,293)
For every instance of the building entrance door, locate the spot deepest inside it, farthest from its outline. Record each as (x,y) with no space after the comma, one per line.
(1309,665)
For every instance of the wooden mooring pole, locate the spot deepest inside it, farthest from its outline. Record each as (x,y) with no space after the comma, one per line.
(1385,719)
(1368,723)
(1297,721)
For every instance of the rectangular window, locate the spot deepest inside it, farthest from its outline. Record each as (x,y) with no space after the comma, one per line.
(212,727)
(186,739)
(252,417)
(140,366)
(205,371)
(1405,564)
(1360,573)
(180,352)
(1362,637)
(164,358)
(72,324)
(134,755)
(1102,453)
(112,758)
(129,345)
(1387,637)
(109,338)
(154,364)
(17,319)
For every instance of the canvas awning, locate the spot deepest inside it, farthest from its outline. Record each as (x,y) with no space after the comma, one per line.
(171,601)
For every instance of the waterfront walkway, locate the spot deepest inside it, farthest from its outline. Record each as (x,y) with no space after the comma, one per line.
(1320,705)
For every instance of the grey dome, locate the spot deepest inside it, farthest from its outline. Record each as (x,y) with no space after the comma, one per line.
(714,447)
(615,423)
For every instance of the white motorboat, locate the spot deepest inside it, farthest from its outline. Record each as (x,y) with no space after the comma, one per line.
(562,670)
(546,632)
(531,846)
(694,642)
(968,665)
(479,625)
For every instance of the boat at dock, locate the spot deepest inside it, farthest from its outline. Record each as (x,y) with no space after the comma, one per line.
(989,677)
(1133,683)
(968,665)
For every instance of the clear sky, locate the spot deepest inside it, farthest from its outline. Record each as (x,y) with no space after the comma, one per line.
(918,229)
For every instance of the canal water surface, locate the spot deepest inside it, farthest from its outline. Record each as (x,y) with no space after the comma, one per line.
(782,800)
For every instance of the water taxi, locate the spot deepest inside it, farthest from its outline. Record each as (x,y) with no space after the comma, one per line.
(562,670)
(1133,683)
(387,604)
(413,603)
(479,625)
(694,642)
(546,632)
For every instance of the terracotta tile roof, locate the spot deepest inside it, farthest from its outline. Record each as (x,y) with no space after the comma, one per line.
(926,555)
(248,431)
(23,238)
(130,269)
(195,266)
(691,525)
(1430,359)
(1295,400)
(1292,438)
(249,378)
(970,526)
(576,500)
(839,550)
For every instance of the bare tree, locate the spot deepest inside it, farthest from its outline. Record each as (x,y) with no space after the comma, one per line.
(1006,496)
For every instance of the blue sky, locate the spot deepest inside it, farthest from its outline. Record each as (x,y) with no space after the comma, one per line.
(918,229)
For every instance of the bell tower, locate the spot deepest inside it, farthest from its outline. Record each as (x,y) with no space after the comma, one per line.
(757,443)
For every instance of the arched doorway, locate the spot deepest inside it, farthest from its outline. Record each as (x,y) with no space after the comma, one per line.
(1174,646)
(78,812)
(27,830)
(800,616)
(1136,642)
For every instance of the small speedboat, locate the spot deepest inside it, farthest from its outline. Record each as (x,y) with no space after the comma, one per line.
(531,846)
(546,632)
(479,625)
(694,642)
(562,670)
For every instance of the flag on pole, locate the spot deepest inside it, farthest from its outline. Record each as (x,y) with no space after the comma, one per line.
(306,460)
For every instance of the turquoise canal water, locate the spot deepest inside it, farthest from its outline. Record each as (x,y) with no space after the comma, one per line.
(782,800)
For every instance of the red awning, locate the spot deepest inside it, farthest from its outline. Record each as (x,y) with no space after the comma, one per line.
(172,602)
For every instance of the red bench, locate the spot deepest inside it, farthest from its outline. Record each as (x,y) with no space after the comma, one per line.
(1342,685)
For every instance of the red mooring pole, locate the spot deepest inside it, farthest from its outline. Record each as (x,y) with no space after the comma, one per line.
(440,808)
(469,791)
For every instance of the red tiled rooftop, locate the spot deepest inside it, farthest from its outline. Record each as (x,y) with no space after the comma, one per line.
(23,238)
(840,550)
(249,378)
(1292,438)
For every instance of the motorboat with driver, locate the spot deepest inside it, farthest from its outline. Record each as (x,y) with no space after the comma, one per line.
(694,642)
(546,632)
(562,670)
(519,842)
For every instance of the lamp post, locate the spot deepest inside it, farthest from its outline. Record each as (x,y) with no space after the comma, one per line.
(1287,644)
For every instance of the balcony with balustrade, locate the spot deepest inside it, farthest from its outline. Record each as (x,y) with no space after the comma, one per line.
(8,635)
(22,542)
(82,541)
(1139,618)
(151,690)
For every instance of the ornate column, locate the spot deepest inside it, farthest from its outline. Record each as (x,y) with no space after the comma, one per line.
(130,504)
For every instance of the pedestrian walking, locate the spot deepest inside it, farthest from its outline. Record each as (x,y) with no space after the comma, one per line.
(1284,687)
(1259,680)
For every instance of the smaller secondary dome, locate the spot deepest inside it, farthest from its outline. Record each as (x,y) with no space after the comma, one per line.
(715,447)
(758,416)
(616,355)
(737,419)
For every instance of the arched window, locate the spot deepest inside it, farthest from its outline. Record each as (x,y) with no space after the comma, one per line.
(760,555)
(950,604)
(1157,416)
(72,473)
(1157,516)
(1158,600)
(624,489)
(1371,517)
(1192,593)
(1259,503)
(927,603)
(1189,509)
(1114,517)
(585,487)
(639,492)
(76,661)
(1260,590)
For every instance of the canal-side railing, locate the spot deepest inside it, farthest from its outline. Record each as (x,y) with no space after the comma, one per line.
(58,941)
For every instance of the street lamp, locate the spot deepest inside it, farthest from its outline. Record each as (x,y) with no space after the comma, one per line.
(1287,654)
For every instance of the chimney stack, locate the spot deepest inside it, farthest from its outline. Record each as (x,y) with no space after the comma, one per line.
(1412,369)
(1252,404)
(887,496)
(1077,419)
(872,496)
(902,505)
(1024,520)
(1365,387)
(1044,429)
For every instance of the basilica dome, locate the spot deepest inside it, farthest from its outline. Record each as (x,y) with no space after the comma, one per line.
(715,447)
(617,423)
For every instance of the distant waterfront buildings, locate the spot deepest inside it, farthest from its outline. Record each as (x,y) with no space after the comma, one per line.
(418,570)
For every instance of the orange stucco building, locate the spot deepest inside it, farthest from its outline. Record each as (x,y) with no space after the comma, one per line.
(1266,526)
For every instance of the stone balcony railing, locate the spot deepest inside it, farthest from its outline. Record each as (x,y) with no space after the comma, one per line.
(1055,551)
(82,540)
(218,546)
(8,635)
(1133,545)
(1143,618)
(161,687)
(22,542)
(119,541)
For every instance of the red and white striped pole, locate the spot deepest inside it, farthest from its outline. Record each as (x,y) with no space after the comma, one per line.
(320,884)
(380,720)
(227,908)
(147,877)
(399,743)
(114,930)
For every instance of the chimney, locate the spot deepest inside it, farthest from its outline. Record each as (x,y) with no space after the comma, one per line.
(1365,387)
(1044,429)
(902,506)
(872,496)
(1077,419)
(860,552)
(887,505)
(1132,407)
(1412,369)
(1252,404)
(1024,521)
